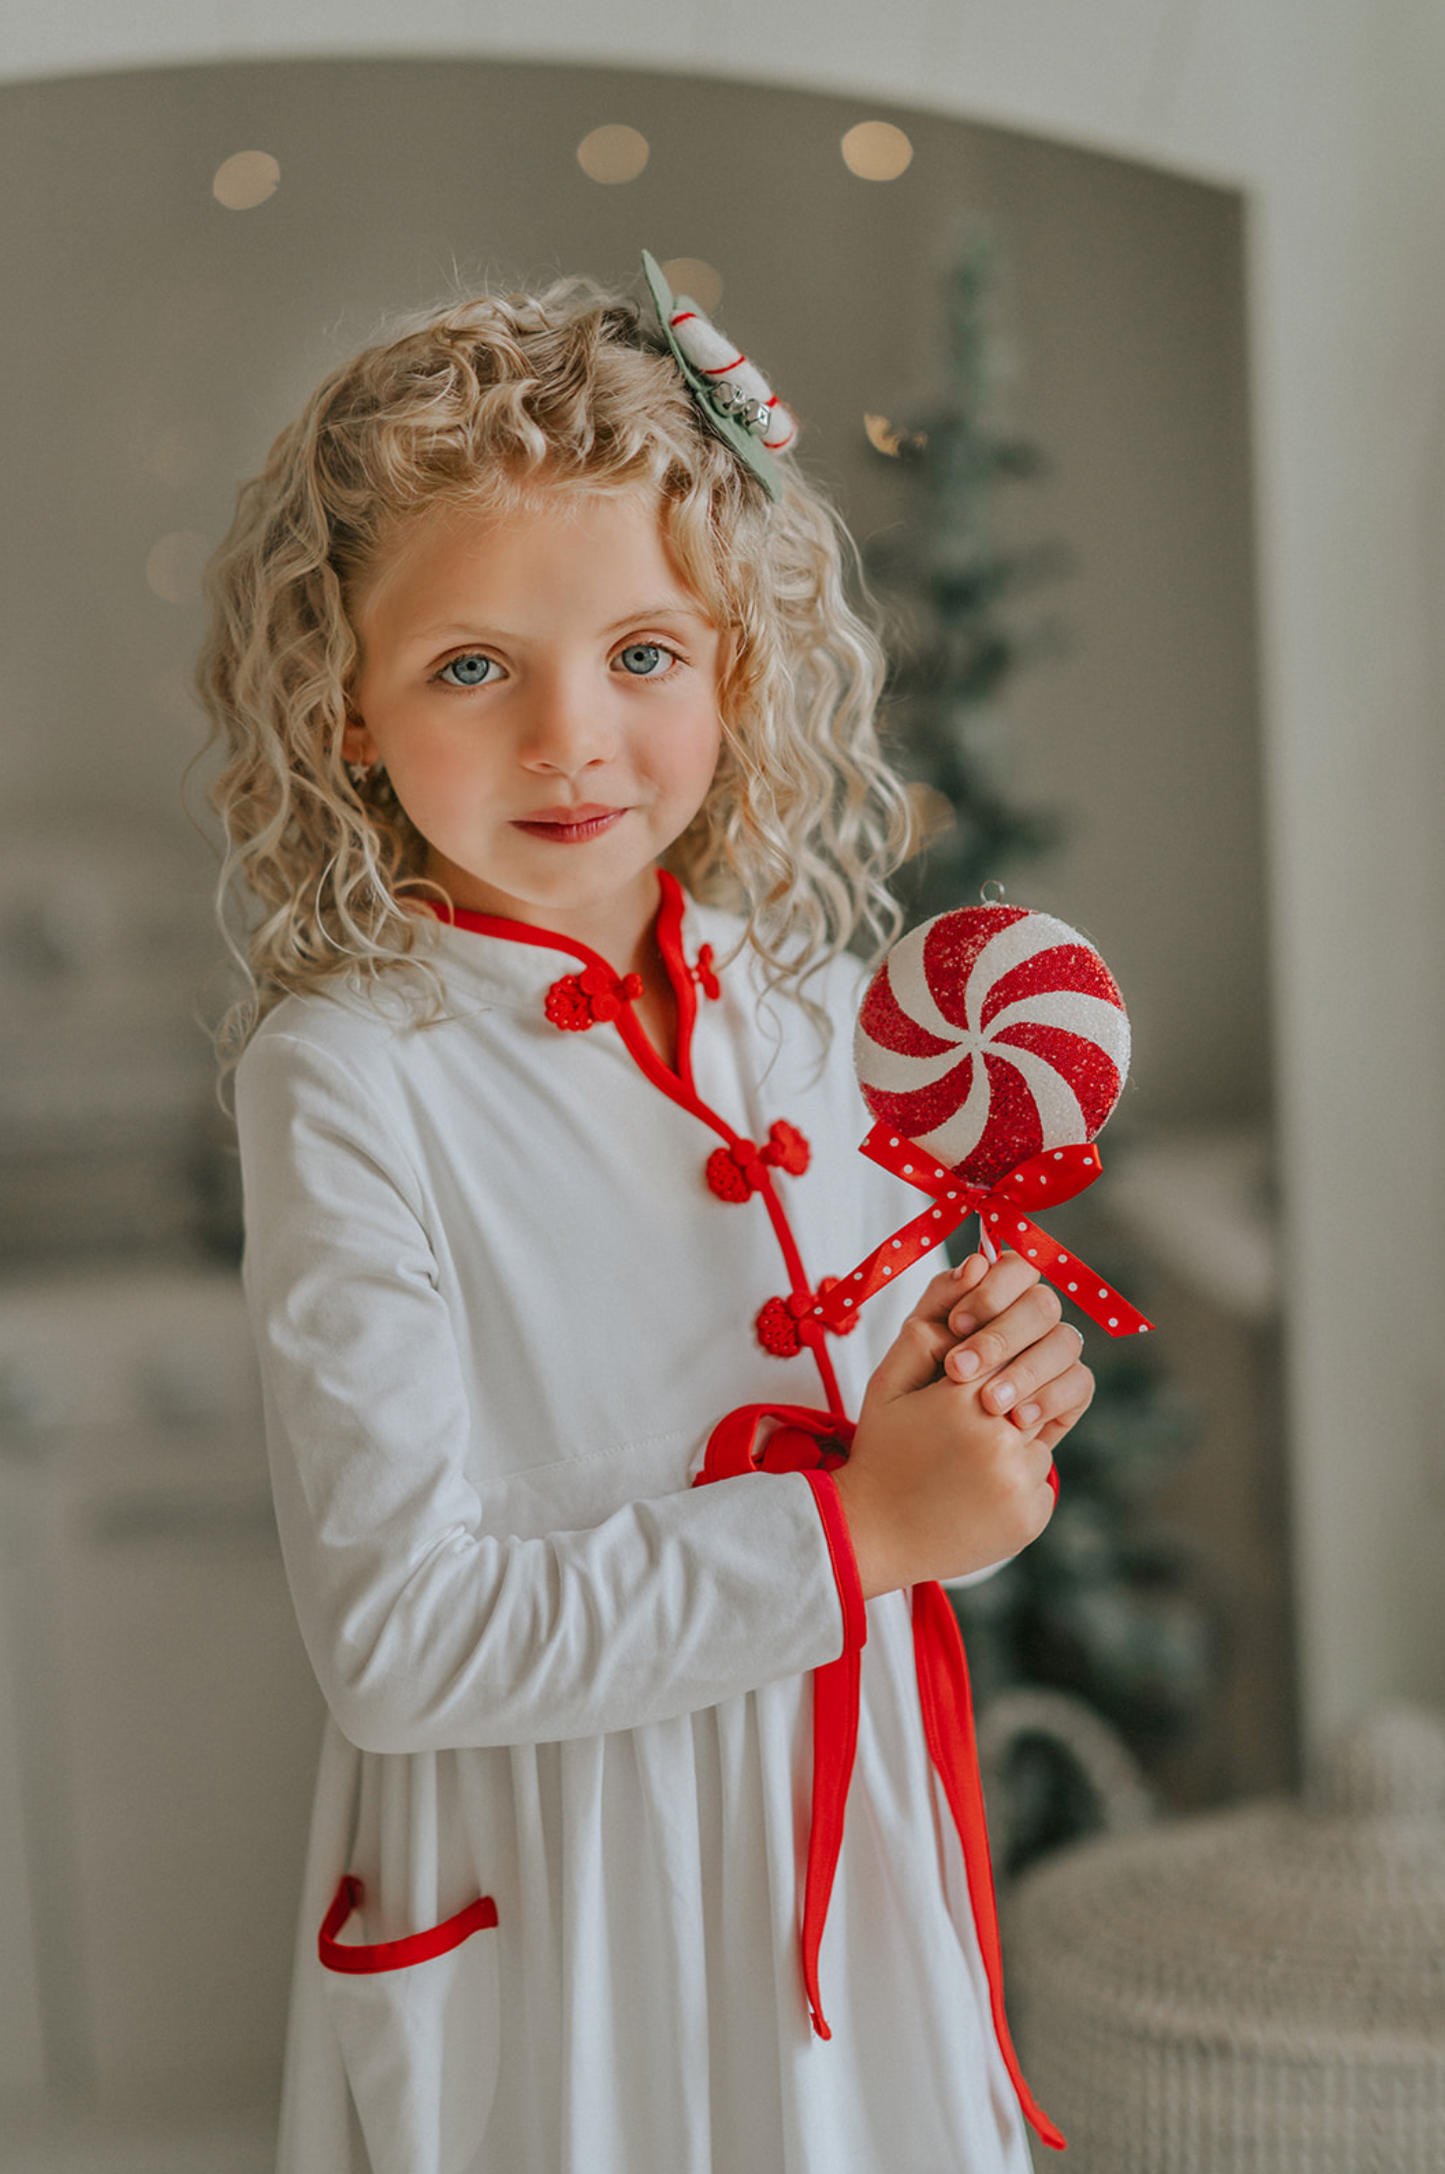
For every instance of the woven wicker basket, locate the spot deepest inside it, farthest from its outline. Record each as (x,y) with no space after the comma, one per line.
(1260,1991)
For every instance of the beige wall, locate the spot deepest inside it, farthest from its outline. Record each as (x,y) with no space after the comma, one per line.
(159,341)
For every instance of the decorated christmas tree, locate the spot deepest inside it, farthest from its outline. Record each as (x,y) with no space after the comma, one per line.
(960,593)
(1098,1605)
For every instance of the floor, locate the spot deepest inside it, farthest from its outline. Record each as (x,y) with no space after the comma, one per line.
(70,2144)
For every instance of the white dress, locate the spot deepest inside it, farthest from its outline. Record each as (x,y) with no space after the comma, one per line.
(499,1311)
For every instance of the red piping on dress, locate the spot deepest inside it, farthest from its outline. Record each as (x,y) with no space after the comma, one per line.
(365,1960)
(678,1086)
(810,1441)
(814,1443)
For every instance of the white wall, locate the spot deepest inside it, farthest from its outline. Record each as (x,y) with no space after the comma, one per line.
(1332,114)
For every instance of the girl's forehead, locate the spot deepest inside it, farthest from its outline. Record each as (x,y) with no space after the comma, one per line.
(561,501)
(587,542)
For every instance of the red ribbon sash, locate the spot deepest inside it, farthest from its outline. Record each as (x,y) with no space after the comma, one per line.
(1043,1181)
(815,1442)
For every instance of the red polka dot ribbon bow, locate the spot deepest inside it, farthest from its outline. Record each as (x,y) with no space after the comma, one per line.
(1005,1219)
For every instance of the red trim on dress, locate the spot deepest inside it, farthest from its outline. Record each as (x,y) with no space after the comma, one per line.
(845,1562)
(811,1442)
(947,1705)
(677,1085)
(814,1442)
(365,1959)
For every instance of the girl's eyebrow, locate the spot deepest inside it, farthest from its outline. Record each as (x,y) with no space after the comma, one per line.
(457,631)
(674,607)
(639,616)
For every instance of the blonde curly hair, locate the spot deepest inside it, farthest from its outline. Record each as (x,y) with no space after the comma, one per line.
(491,403)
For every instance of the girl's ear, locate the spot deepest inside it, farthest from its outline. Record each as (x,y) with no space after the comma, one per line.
(357,744)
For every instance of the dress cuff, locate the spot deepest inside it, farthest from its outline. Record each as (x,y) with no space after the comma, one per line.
(845,1566)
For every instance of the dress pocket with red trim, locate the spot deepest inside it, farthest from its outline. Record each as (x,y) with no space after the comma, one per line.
(418,2021)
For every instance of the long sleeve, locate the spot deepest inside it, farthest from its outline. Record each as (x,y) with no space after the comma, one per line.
(432,1624)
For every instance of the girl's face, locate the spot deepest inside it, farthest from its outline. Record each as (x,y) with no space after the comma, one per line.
(543,692)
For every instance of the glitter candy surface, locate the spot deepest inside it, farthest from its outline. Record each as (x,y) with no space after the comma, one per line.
(989,1034)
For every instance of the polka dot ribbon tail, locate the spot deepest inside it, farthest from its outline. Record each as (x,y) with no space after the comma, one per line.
(1005,1217)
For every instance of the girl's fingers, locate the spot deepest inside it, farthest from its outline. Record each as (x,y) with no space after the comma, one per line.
(1029,1378)
(1020,1382)
(925,1338)
(1052,1430)
(950,1287)
(1031,1318)
(1064,1398)
(985,1289)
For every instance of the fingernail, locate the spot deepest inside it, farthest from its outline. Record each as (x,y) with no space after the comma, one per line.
(962,1324)
(1028,1413)
(966,1365)
(1004,1393)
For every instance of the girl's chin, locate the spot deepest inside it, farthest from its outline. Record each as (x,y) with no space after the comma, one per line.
(563,888)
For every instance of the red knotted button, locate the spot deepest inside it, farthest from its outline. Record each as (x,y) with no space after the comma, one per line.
(785,1325)
(787,1148)
(731,1171)
(578,1001)
(735,1173)
(705,974)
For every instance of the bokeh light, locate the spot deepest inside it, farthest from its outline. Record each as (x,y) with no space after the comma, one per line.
(613,153)
(174,563)
(245,180)
(876,151)
(886,437)
(692,277)
(934,816)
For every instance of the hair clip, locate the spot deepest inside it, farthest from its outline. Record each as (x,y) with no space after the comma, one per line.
(735,399)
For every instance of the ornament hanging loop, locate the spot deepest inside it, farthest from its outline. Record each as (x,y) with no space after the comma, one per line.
(991,892)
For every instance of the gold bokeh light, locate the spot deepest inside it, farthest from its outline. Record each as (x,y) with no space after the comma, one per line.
(700,282)
(245,180)
(876,151)
(886,437)
(613,153)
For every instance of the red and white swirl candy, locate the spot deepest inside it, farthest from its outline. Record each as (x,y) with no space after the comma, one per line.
(736,386)
(990,1034)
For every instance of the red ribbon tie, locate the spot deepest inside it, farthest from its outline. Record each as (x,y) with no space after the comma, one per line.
(1044,1181)
(793,1438)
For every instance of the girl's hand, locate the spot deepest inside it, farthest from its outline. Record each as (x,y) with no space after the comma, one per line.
(940,1482)
(1038,1383)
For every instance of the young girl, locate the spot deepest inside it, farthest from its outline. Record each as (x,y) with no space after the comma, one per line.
(523,664)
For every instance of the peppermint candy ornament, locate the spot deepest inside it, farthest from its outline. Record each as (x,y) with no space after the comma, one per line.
(989,1035)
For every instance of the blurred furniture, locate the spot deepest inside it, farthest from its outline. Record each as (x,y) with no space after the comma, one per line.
(161,1718)
(107,940)
(1258,1991)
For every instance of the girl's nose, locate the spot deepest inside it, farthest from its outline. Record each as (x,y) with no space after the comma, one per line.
(566,726)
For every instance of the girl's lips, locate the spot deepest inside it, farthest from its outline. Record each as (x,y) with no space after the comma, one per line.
(569,826)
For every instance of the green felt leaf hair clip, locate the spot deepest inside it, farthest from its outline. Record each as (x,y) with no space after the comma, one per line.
(735,399)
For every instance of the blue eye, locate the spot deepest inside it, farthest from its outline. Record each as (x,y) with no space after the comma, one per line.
(473,670)
(643,659)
